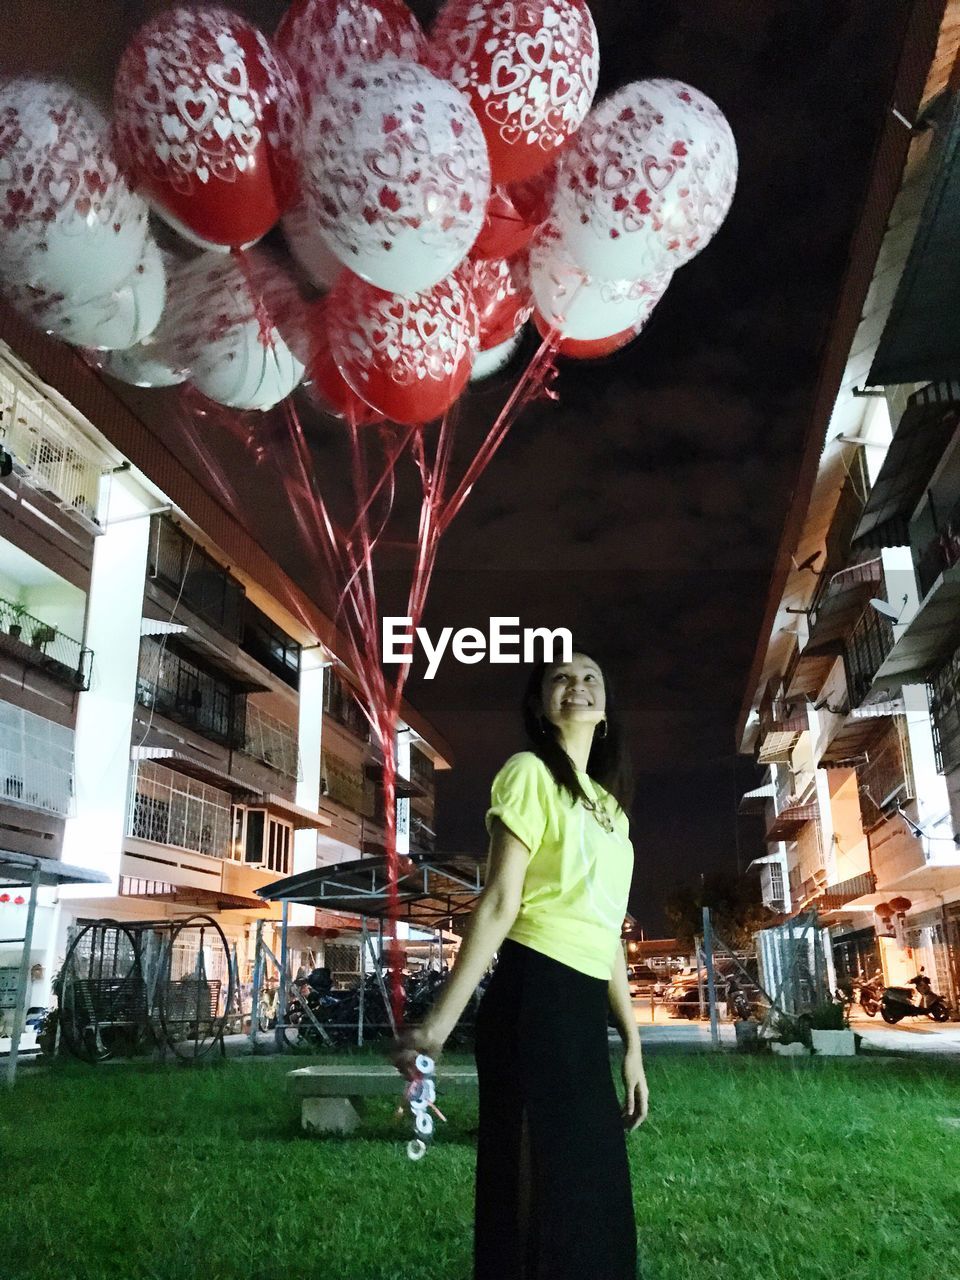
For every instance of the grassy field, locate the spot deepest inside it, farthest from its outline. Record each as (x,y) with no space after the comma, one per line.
(747,1169)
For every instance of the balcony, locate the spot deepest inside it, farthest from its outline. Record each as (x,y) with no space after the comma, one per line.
(341,705)
(33,642)
(187,572)
(788,822)
(49,453)
(887,774)
(421,770)
(772,888)
(272,742)
(781,723)
(192,697)
(864,653)
(422,838)
(36,762)
(941,553)
(346,784)
(169,808)
(945,713)
(270,645)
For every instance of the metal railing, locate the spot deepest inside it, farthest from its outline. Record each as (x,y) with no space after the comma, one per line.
(889,768)
(35,642)
(270,645)
(421,769)
(271,741)
(342,706)
(169,808)
(48,451)
(945,713)
(180,690)
(202,583)
(36,761)
(345,783)
(869,644)
(422,838)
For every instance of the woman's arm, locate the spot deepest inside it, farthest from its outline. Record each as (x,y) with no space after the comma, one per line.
(636,1095)
(489,924)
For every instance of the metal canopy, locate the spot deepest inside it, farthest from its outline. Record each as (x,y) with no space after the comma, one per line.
(922,336)
(17,869)
(430,890)
(923,433)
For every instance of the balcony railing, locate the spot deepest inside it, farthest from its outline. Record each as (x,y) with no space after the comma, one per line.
(271,741)
(169,808)
(945,713)
(30,640)
(863,654)
(771,883)
(340,704)
(48,451)
(346,784)
(270,645)
(781,723)
(194,698)
(941,554)
(422,838)
(887,772)
(36,761)
(202,583)
(421,769)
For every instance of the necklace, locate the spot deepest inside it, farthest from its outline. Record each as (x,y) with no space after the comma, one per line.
(600,813)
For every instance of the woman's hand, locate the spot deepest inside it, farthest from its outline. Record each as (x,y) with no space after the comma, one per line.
(636,1098)
(412,1041)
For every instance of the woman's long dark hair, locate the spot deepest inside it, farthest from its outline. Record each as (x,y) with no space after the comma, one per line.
(609,762)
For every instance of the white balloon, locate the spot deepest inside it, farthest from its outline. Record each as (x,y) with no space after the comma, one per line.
(309,248)
(144,365)
(233,328)
(581,306)
(647,182)
(111,321)
(71,224)
(396,174)
(491,361)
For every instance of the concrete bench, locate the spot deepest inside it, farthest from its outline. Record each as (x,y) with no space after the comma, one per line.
(328,1093)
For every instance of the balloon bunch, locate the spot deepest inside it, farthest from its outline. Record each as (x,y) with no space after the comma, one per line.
(437,189)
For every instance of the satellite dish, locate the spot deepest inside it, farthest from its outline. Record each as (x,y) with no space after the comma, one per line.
(886,609)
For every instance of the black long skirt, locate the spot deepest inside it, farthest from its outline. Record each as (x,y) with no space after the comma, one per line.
(553,1198)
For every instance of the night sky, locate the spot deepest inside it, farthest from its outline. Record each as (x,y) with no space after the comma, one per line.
(643,509)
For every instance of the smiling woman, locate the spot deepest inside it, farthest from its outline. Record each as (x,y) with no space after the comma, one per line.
(553,1195)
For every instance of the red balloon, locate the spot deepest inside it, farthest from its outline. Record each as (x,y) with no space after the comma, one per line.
(408,357)
(207,119)
(501,292)
(528,66)
(587,348)
(319,37)
(514,215)
(325,381)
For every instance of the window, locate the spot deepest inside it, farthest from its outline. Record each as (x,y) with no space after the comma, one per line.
(261,840)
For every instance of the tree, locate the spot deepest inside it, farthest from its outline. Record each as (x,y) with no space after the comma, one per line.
(734,901)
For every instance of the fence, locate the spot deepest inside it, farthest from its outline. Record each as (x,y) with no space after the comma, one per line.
(36,761)
(43,646)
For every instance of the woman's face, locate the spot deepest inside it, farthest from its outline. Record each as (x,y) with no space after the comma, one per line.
(573,693)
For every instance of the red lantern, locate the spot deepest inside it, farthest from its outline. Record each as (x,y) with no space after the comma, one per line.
(4,897)
(319,37)
(900,905)
(19,900)
(206,122)
(408,357)
(514,215)
(502,297)
(530,70)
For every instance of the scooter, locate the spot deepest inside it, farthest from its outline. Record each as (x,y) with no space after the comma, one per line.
(918,1000)
(871,993)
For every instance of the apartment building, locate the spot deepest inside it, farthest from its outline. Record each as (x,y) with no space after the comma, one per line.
(173,710)
(851,700)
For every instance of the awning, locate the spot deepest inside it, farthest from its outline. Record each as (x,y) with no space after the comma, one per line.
(160,627)
(922,334)
(430,890)
(755,801)
(789,821)
(222,656)
(852,738)
(923,432)
(810,674)
(297,816)
(16,871)
(836,896)
(928,640)
(843,601)
(181,762)
(187,895)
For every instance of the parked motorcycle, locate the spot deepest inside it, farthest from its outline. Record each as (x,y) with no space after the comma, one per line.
(869,992)
(918,1000)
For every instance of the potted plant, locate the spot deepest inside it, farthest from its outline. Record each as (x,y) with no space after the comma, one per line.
(789,1036)
(42,635)
(830,1030)
(17,611)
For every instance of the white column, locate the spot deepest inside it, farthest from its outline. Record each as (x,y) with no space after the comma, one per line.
(93,837)
(309,738)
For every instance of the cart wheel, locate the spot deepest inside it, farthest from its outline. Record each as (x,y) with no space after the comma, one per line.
(192,1003)
(101,994)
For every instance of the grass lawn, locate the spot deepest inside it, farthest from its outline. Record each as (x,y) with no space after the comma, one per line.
(747,1169)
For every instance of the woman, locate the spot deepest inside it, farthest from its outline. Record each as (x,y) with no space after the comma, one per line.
(553,1198)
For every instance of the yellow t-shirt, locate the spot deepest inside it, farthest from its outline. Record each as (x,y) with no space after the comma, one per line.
(578,875)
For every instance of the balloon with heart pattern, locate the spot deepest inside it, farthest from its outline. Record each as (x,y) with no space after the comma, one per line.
(514,215)
(530,68)
(324,382)
(308,247)
(69,222)
(207,121)
(395,173)
(320,37)
(495,359)
(647,182)
(501,293)
(237,328)
(407,357)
